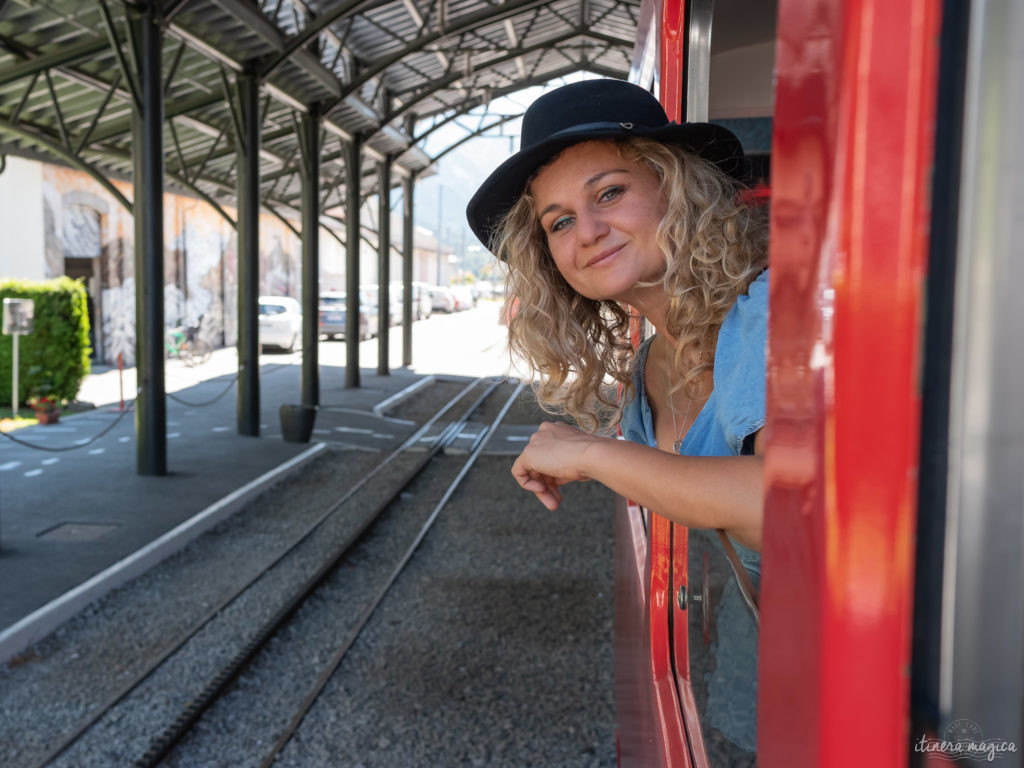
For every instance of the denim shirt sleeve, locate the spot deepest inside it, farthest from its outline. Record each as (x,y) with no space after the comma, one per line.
(740,365)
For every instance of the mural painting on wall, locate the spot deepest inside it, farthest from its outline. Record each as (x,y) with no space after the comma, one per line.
(89,234)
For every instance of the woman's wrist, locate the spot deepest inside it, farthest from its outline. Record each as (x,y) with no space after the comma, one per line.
(595,456)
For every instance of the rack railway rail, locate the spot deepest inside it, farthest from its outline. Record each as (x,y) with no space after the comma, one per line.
(360,507)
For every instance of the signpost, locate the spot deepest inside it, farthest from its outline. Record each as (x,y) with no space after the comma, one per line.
(18,314)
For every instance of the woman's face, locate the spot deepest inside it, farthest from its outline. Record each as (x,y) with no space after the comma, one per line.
(600,214)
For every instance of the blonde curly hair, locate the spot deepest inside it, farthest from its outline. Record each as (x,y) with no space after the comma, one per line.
(714,245)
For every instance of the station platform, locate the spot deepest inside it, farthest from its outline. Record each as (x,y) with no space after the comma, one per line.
(75,524)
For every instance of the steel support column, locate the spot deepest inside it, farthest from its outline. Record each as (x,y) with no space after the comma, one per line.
(384,261)
(148,160)
(408,184)
(353,154)
(248,149)
(310,144)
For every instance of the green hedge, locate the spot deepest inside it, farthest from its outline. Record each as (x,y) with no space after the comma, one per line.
(54,358)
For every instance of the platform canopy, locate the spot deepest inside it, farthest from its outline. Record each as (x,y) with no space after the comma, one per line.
(385,71)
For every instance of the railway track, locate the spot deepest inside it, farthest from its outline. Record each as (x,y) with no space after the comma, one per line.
(351,547)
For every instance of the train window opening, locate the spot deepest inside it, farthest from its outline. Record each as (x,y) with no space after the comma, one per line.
(716,639)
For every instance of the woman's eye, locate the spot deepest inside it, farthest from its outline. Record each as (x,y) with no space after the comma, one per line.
(610,194)
(560,223)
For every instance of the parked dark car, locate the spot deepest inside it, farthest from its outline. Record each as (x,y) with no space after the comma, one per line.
(334,311)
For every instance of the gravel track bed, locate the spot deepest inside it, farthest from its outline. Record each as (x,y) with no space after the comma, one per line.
(241,728)
(67,675)
(424,403)
(525,410)
(126,732)
(493,648)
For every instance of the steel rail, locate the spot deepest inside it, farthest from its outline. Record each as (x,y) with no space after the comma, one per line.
(189,632)
(339,655)
(161,746)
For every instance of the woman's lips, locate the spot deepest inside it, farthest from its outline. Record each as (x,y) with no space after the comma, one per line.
(603,256)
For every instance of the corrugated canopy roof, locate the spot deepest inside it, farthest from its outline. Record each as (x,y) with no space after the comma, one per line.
(388,70)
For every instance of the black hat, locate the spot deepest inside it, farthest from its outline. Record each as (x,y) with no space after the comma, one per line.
(591,109)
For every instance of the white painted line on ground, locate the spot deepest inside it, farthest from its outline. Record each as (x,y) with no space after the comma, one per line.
(40,623)
(97,451)
(353,446)
(49,461)
(354,430)
(34,473)
(123,439)
(382,436)
(398,397)
(518,438)
(9,466)
(220,429)
(342,409)
(173,435)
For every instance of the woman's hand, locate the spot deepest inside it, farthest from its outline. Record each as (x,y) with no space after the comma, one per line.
(554,456)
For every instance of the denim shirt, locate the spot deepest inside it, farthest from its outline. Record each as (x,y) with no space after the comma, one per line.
(735,407)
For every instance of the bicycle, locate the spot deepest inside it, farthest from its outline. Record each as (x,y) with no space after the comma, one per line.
(183,342)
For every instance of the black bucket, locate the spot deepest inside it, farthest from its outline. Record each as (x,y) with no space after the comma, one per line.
(297,422)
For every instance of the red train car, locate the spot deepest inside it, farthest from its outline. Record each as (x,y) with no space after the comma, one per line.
(890,616)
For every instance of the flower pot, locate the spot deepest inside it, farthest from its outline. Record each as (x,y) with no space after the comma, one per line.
(297,422)
(47,417)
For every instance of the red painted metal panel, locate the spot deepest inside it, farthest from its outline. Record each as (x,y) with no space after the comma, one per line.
(647,703)
(672,36)
(852,146)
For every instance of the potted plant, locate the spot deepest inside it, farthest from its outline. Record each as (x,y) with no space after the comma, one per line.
(46,407)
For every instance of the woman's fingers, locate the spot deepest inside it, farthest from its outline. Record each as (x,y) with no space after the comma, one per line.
(543,487)
(550,460)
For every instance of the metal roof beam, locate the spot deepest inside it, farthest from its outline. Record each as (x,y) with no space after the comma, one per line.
(464,23)
(473,135)
(306,35)
(472,103)
(44,61)
(267,31)
(37,136)
(437,85)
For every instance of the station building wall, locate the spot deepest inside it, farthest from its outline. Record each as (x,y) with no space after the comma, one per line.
(60,221)
(21,189)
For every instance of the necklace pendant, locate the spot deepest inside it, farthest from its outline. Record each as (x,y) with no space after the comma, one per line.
(677,445)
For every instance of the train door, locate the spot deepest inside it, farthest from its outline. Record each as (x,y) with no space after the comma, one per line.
(728,62)
(892,603)
(680,701)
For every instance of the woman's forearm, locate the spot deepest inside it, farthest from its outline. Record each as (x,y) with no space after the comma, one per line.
(696,491)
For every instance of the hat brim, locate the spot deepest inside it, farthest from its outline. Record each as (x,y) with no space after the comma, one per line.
(503,187)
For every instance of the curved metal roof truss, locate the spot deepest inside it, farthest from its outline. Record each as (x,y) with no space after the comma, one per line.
(372,69)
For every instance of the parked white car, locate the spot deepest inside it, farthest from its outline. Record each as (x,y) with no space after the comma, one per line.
(464,297)
(280,322)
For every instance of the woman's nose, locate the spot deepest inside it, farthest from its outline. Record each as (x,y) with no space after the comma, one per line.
(590,227)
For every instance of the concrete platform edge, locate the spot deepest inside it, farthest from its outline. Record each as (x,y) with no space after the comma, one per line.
(398,397)
(42,622)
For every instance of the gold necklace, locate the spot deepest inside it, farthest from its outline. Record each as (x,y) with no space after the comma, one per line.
(672,408)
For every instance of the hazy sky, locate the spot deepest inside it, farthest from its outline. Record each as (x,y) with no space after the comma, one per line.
(462,171)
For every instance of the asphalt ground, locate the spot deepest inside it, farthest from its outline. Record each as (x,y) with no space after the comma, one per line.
(73,506)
